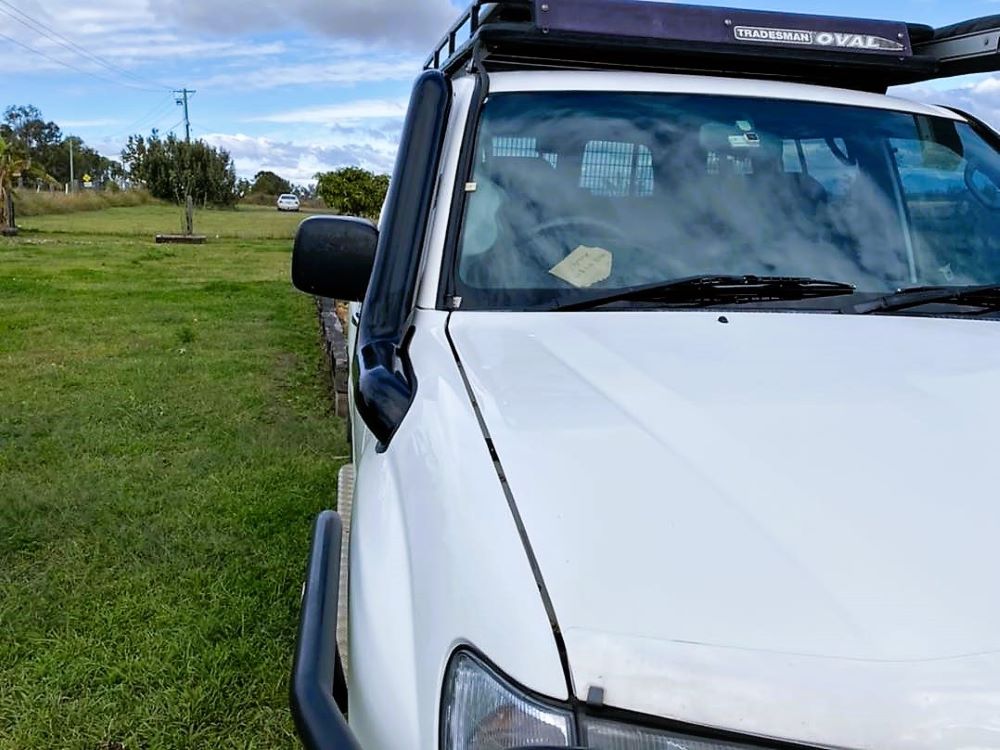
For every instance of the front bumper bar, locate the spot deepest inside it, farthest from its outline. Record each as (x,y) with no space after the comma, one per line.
(320,724)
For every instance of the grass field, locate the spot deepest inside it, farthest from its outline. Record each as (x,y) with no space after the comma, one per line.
(165,440)
(245,222)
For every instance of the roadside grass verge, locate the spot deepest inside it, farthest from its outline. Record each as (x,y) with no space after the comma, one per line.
(31,203)
(243,222)
(166,438)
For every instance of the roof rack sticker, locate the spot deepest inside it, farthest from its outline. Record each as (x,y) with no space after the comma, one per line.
(690,23)
(844,40)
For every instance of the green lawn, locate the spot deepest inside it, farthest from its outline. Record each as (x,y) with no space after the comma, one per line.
(245,222)
(166,438)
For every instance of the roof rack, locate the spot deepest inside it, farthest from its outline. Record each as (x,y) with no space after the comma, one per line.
(968,47)
(862,54)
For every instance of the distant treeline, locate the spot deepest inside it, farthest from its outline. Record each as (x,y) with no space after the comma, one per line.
(42,144)
(169,169)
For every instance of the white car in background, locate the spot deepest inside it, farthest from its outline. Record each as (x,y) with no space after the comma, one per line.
(288,202)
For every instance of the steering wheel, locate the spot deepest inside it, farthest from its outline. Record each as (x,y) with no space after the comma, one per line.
(588,223)
(550,242)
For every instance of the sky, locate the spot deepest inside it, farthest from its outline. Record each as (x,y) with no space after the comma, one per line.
(295,86)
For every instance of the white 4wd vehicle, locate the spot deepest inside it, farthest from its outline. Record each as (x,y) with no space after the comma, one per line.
(673,389)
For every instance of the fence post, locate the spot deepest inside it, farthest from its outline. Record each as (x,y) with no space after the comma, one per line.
(9,229)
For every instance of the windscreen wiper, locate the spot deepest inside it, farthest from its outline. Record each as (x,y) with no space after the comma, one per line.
(717,290)
(987,296)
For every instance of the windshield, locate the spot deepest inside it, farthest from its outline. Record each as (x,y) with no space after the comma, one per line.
(577,193)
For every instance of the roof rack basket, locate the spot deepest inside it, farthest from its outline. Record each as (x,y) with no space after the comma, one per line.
(862,54)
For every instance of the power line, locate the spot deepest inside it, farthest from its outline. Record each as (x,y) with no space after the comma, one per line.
(52,35)
(152,117)
(40,27)
(176,125)
(57,61)
(158,112)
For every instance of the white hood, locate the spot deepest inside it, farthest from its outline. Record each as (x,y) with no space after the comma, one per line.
(787,525)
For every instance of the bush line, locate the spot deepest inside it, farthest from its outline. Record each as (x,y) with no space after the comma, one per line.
(31,203)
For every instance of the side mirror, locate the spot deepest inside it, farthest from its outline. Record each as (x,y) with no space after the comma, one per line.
(334,257)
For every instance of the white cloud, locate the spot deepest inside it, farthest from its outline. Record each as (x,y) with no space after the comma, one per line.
(413,23)
(124,33)
(95,123)
(300,161)
(979,95)
(990,85)
(335,72)
(339,113)
(223,48)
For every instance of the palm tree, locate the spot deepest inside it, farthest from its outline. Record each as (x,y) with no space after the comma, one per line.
(13,163)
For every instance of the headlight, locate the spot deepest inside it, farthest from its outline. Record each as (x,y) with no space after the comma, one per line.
(482,711)
(608,735)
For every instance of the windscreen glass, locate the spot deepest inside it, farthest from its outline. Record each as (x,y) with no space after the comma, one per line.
(578,192)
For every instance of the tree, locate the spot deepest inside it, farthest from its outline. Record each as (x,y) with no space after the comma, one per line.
(268,183)
(353,191)
(43,142)
(14,163)
(172,169)
(24,125)
(27,132)
(87,161)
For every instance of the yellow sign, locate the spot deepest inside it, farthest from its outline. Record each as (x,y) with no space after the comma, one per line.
(86,178)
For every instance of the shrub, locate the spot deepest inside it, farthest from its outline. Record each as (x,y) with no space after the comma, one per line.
(353,191)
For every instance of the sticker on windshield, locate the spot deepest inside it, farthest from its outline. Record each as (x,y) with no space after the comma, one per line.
(584,267)
(747,140)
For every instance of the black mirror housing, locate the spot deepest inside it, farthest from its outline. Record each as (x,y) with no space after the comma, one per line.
(334,257)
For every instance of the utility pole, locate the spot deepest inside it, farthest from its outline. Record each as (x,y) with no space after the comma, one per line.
(182,99)
(72,175)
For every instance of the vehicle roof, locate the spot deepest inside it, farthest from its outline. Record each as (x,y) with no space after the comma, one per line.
(599,80)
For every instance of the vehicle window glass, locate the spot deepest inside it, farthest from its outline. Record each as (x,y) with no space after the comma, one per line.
(947,185)
(676,185)
(617,169)
(791,159)
(525,148)
(828,162)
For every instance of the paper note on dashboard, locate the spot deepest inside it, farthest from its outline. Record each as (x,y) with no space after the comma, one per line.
(584,267)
